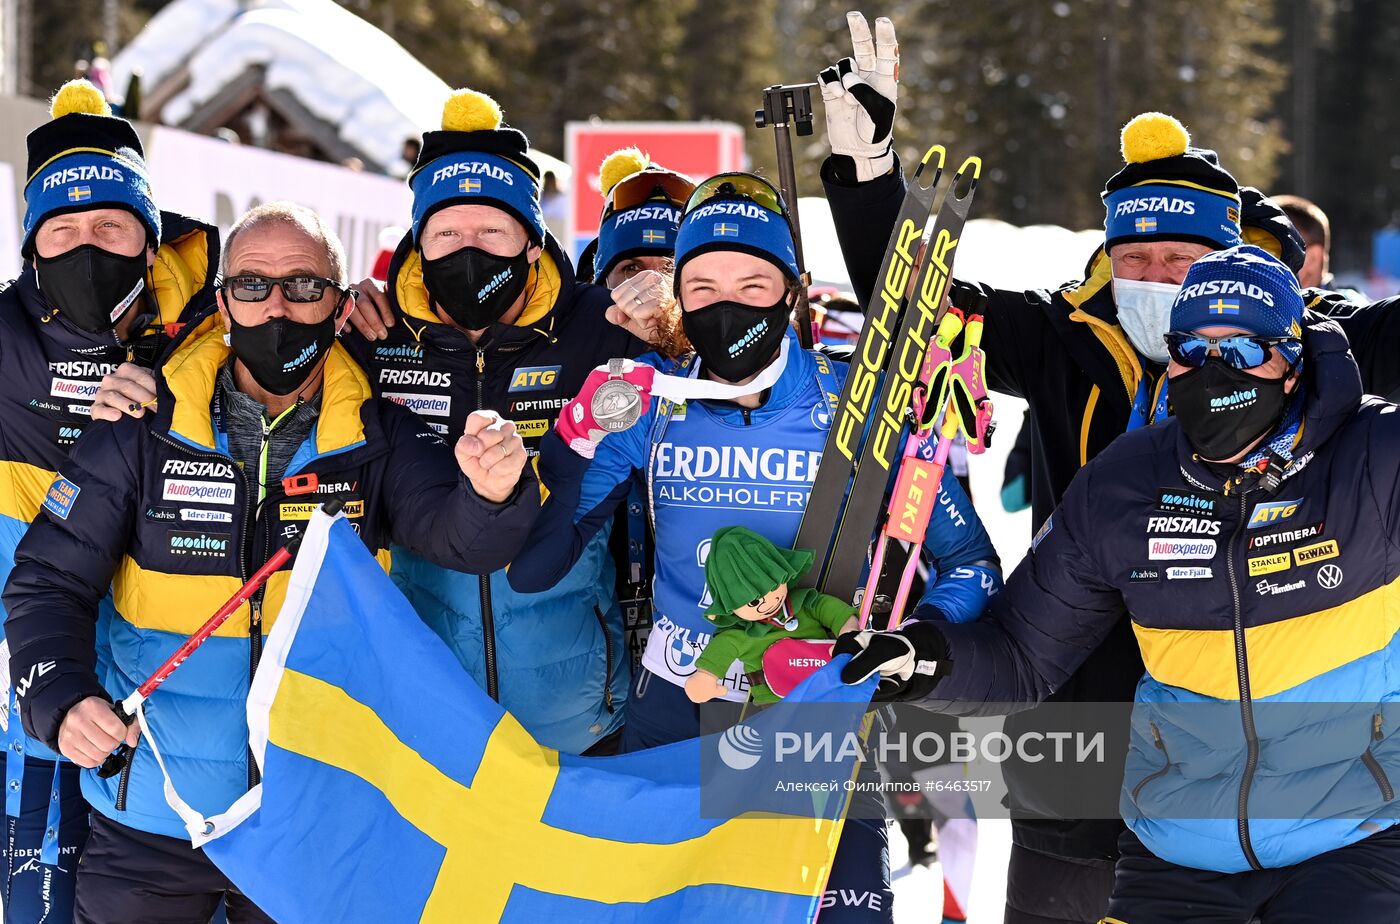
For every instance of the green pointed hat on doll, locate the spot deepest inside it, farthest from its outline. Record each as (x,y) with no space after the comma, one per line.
(742,567)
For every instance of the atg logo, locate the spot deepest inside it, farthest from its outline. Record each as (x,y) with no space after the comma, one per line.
(534,378)
(1273,512)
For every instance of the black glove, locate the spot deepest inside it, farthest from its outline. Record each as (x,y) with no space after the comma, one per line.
(910,660)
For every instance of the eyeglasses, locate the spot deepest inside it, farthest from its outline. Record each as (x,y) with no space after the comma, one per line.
(251,287)
(645,186)
(738,186)
(1240,351)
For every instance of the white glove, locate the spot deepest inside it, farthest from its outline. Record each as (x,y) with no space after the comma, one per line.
(860,95)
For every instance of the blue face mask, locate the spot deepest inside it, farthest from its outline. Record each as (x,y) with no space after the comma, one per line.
(1145,314)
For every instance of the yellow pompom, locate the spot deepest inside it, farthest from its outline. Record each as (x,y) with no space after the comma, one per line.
(1152,136)
(470,111)
(620,164)
(78,96)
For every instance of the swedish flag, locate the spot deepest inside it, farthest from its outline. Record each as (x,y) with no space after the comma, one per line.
(1225,306)
(79,193)
(394,789)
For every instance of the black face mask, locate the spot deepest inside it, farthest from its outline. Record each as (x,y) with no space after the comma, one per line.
(280,353)
(1223,410)
(736,341)
(92,287)
(475,287)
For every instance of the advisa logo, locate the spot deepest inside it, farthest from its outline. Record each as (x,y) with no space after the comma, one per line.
(865,369)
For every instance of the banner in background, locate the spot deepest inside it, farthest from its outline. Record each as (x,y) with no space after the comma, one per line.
(216,181)
(698,149)
(10,220)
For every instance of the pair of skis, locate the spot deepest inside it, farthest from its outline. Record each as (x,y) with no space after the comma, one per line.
(903,357)
(871,415)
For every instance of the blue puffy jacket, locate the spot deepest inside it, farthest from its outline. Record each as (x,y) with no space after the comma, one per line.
(157,510)
(49,373)
(554,659)
(1265,730)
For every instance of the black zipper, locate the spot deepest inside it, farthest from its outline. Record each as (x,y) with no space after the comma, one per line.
(608,656)
(748,416)
(1161,746)
(250,521)
(488,618)
(125,780)
(1369,759)
(1251,735)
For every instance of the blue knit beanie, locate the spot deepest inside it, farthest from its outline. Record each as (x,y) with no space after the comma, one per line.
(85,158)
(474,160)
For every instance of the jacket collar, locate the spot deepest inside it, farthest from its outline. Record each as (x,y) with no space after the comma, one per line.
(549,277)
(186,383)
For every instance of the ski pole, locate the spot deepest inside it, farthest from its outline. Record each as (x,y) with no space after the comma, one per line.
(908,500)
(126,709)
(963,397)
(781,103)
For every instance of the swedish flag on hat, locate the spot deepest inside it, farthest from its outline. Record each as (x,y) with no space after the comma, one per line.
(476,160)
(732,219)
(1168,190)
(85,158)
(645,226)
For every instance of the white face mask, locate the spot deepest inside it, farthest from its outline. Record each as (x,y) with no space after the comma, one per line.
(1145,314)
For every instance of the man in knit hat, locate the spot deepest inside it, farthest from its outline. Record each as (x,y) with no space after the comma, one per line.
(483,311)
(1088,358)
(1260,771)
(104,271)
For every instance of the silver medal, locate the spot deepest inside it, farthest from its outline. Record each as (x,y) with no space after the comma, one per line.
(616,404)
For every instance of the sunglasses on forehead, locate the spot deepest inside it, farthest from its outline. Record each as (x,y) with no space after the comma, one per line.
(738,186)
(648,186)
(1240,351)
(252,287)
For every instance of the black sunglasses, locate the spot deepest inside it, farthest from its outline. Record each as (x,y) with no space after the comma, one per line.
(251,287)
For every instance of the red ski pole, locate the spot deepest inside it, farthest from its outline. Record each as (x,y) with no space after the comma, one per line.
(126,709)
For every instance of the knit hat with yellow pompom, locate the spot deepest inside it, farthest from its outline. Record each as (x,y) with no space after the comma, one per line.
(642,209)
(475,160)
(1170,191)
(85,158)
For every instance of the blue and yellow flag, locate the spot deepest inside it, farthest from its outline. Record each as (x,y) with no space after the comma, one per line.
(394,789)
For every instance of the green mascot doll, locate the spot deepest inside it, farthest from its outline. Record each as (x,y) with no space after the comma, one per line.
(748,579)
